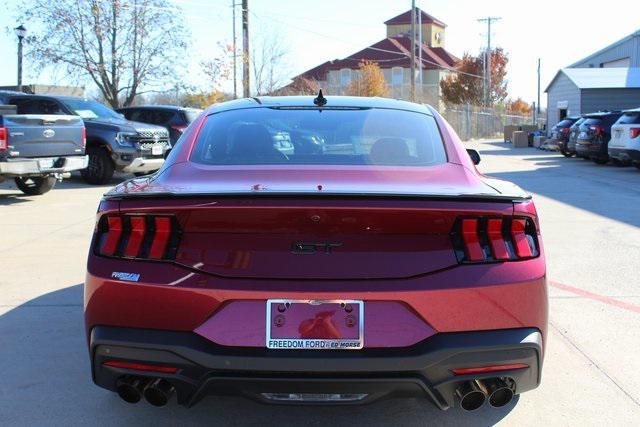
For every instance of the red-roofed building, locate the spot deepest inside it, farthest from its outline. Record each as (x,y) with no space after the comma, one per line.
(393,55)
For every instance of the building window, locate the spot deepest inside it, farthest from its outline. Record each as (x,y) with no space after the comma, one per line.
(345,77)
(396,76)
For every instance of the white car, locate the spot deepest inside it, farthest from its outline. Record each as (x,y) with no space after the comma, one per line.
(624,146)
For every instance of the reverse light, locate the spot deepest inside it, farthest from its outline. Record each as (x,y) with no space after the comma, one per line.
(486,369)
(3,138)
(634,132)
(141,366)
(494,239)
(148,236)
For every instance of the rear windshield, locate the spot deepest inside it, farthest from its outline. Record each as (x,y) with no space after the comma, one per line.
(564,123)
(629,119)
(590,121)
(319,137)
(578,123)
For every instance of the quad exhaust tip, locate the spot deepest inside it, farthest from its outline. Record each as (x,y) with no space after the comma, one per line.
(130,388)
(158,392)
(473,394)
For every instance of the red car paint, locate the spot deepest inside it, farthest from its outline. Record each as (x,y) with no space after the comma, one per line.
(392,248)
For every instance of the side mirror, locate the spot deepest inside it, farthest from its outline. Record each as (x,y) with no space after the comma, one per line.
(475,156)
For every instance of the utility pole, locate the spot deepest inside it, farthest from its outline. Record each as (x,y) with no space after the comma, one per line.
(538,103)
(487,67)
(420,41)
(235,51)
(413,50)
(246,89)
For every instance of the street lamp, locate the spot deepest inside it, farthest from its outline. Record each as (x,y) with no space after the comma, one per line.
(21,32)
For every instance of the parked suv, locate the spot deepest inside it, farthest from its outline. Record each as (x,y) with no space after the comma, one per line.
(174,119)
(624,147)
(594,136)
(569,148)
(113,143)
(560,132)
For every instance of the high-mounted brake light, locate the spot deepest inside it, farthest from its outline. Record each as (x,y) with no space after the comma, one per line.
(3,138)
(148,236)
(494,239)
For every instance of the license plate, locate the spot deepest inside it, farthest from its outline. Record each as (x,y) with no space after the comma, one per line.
(156,150)
(315,325)
(45,163)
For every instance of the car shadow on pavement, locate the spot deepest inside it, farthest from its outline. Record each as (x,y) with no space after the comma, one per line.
(13,199)
(46,380)
(605,190)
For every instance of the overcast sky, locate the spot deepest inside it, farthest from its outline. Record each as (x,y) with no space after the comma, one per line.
(559,32)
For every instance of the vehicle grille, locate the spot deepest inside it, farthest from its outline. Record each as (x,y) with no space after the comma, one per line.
(147,138)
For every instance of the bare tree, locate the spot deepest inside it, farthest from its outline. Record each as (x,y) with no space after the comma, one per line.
(268,62)
(218,70)
(126,47)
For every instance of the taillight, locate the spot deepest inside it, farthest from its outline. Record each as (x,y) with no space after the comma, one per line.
(84,137)
(179,128)
(634,132)
(565,131)
(597,130)
(148,236)
(3,138)
(495,239)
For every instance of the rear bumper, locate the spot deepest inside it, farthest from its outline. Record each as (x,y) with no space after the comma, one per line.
(141,164)
(423,370)
(624,154)
(41,166)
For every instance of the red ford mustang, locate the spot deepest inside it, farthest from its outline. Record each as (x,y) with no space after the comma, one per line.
(317,250)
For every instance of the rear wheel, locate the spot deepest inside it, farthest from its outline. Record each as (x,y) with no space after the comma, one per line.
(601,160)
(35,186)
(566,153)
(100,168)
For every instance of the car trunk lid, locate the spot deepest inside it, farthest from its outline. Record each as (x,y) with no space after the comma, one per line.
(30,135)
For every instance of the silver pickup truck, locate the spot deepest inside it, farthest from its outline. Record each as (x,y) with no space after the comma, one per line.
(38,150)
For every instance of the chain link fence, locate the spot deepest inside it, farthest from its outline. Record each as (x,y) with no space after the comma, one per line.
(472,122)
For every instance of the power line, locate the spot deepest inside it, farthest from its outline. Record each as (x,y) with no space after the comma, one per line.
(487,61)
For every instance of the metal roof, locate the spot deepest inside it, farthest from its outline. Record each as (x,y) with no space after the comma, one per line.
(604,49)
(601,78)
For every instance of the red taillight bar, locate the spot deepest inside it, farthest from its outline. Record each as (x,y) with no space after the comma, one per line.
(113,236)
(634,132)
(3,138)
(492,239)
(141,366)
(161,237)
(138,236)
(486,369)
(471,239)
(498,245)
(521,244)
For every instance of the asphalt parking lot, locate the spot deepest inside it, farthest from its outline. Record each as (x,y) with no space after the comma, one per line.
(590,219)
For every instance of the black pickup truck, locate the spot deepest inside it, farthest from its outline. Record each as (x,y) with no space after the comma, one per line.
(113,142)
(36,150)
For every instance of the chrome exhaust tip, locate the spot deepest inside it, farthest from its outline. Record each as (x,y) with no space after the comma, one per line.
(500,393)
(130,388)
(472,395)
(158,392)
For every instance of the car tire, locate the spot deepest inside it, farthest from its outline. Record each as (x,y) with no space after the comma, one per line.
(566,153)
(35,186)
(601,160)
(637,164)
(100,169)
(616,162)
